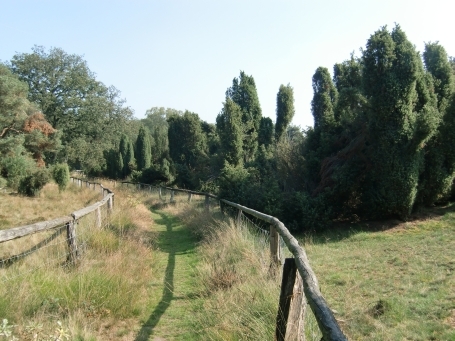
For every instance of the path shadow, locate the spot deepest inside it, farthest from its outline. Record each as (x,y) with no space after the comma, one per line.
(169,241)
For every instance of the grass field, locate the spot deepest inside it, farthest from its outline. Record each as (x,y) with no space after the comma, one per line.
(17,210)
(172,272)
(395,283)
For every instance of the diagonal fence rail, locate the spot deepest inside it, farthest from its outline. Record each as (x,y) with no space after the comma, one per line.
(45,237)
(275,233)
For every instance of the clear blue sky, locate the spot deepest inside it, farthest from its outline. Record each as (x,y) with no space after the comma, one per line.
(184,54)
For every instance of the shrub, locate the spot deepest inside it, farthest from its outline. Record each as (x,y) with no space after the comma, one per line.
(3,182)
(31,185)
(61,175)
(14,169)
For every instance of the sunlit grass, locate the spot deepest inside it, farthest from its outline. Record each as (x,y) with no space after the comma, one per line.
(17,210)
(393,284)
(105,295)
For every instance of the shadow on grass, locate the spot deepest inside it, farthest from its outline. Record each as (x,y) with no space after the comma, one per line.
(173,242)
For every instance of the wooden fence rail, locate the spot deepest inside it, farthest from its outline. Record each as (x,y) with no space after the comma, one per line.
(70,222)
(326,320)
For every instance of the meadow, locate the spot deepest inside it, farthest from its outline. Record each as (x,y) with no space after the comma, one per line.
(176,272)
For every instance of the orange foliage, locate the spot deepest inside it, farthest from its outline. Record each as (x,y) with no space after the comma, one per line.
(38,121)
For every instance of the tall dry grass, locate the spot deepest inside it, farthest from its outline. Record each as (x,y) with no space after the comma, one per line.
(18,210)
(101,299)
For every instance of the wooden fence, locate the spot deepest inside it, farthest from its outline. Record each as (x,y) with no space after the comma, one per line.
(70,222)
(291,310)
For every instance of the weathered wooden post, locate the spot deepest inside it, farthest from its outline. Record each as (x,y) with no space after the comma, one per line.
(291,310)
(98,217)
(159,193)
(110,203)
(239,219)
(71,239)
(172,196)
(275,249)
(207,203)
(190,196)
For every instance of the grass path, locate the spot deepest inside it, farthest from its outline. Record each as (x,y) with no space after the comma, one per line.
(173,291)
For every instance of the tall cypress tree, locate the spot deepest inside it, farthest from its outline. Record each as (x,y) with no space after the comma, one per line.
(229,128)
(396,131)
(324,99)
(129,162)
(439,172)
(243,92)
(143,149)
(284,110)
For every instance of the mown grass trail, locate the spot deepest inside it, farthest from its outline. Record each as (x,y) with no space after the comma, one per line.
(173,296)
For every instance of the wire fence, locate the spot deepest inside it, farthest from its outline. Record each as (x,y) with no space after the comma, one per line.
(51,248)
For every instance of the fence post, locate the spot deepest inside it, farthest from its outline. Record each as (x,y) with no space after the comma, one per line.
(71,239)
(159,193)
(172,196)
(190,196)
(110,203)
(275,245)
(207,203)
(239,219)
(98,217)
(291,310)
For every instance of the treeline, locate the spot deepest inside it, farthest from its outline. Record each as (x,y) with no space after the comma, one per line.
(381,145)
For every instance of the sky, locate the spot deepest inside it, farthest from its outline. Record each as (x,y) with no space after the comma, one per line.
(184,54)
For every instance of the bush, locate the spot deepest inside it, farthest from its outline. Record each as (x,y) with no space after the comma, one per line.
(61,175)
(32,185)
(14,169)
(3,182)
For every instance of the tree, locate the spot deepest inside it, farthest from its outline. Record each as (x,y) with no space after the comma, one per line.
(324,99)
(186,140)
(398,122)
(230,131)
(266,132)
(156,122)
(243,92)
(347,77)
(439,172)
(89,114)
(284,110)
(129,161)
(24,133)
(143,148)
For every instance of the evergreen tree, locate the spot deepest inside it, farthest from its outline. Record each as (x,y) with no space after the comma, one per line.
(347,77)
(129,162)
(243,92)
(266,132)
(143,149)
(439,172)
(284,110)
(123,146)
(120,167)
(396,131)
(324,99)
(229,128)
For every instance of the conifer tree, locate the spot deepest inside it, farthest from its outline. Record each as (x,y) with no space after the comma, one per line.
(439,172)
(396,130)
(143,148)
(284,110)
(243,92)
(324,99)
(229,128)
